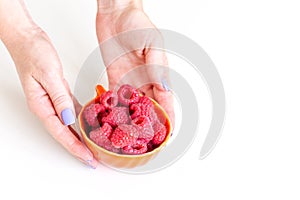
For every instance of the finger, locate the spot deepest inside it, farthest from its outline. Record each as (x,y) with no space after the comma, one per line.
(165,99)
(40,104)
(77,105)
(157,67)
(158,72)
(65,137)
(163,95)
(58,91)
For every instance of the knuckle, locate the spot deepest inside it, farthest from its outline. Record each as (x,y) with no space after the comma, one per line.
(59,99)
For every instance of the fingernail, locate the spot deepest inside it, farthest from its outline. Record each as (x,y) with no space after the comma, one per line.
(68,116)
(90,160)
(92,164)
(165,85)
(89,163)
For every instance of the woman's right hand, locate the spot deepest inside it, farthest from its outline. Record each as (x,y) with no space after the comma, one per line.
(40,71)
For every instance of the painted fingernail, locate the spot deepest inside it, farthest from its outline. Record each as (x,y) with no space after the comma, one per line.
(88,163)
(165,85)
(91,163)
(68,116)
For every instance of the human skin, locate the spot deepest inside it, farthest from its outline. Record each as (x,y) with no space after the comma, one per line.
(41,75)
(115,17)
(40,69)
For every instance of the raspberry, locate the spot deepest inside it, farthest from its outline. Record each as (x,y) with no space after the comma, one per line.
(101,133)
(108,146)
(144,127)
(117,116)
(160,133)
(153,117)
(101,137)
(135,111)
(145,107)
(91,113)
(150,146)
(128,95)
(124,135)
(124,122)
(103,114)
(146,101)
(138,148)
(109,99)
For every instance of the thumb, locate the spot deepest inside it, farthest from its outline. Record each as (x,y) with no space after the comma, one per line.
(158,73)
(61,98)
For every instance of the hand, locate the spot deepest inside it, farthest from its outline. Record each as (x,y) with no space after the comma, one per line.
(40,71)
(113,20)
(48,94)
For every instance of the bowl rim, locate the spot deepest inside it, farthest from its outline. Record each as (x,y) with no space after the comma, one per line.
(99,148)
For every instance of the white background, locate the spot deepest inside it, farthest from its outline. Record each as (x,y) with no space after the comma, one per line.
(255,46)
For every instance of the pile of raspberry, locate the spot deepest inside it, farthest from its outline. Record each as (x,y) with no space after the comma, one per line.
(124,122)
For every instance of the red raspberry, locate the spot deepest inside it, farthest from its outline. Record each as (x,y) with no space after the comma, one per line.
(117,116)
(144,127)
(109,99)
(138,148)
(109,147)
(150,146)
(145,107)
(101,137)
(146,101)
(128,95)
(103,114)
(135,110)
(146,104)
(91,113)
(153,117)
(160,133)
(124,135)
(101,133)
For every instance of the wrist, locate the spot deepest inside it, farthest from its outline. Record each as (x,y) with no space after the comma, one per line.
(109,6)
(16,25)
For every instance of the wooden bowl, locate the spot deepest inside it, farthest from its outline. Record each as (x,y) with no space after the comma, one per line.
(123,160)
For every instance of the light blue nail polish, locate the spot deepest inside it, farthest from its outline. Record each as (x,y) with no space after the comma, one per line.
(68,116)
(89,164)
(165,85)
